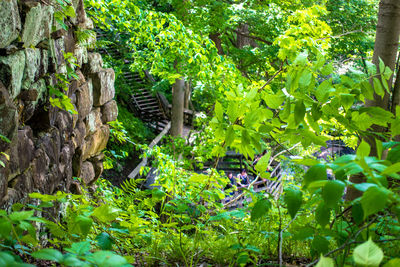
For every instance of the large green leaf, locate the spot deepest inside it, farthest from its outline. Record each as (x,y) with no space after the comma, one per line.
(293,201)
(325,262)
(332,192)
(315,173)
(322,215)
(80,248)
(105,213)
(107,258)
(21,215)
(368,254)
(260,209)
(48,254)
(374,200)
(84,223)
(393,263)
(299,112)
(320,244)
(104,241)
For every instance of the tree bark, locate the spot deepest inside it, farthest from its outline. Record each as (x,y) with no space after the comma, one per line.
(386,46)
(215,37)
(178,100)
(188,93)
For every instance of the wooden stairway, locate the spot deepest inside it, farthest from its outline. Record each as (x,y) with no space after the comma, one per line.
(143,103)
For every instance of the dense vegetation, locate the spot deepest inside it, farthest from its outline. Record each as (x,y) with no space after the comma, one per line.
(283,77)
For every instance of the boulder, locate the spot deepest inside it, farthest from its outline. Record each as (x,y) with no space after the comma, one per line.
(109,112)
(4,172)
(96,142)
(87,172)
(84,100)
(44,62)
(11,72)
(95,63)
(65,166)
(103,86)
(38,22)
(93,121)
(10,22)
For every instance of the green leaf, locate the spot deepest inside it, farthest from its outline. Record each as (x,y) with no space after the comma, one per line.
(293,200)
(323,90)
(80,248)
(374,200)
(325,262)
(320,244)
(105,213)
(305,78)
(368,254)
(107,258)
(299,112)
(104,241)
(322,215)
(21,215)
(332,192)
(273,101)
(70,12)
(367,90)
(262,163)
(84,223)
(5,228)
(260,209)
(327,69)
(48,254)
(357,213)
(363,149)
(395,168)
(378,87)
(219,111)
(393,263)
(315,173)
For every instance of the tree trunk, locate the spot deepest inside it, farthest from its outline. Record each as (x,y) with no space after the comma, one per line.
(386,43)
(178,100)
(386,46)
(215,37)
(188,93)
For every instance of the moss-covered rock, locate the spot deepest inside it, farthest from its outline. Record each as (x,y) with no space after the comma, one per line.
(11,72)
(10,22)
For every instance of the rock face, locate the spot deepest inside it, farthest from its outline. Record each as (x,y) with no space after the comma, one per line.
(48,146)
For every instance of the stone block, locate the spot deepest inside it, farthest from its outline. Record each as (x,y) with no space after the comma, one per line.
(97,165)
(103,86)
(81,54)
(84,100)
(8,118)
(26,148)
(78,134)
(40,167)
(95,63)
(10,22)
(93,121)
(57,48)
(32,67)
(109,112)
(94,144)
(87,172)
(50,143)
(11,72)
(38,22)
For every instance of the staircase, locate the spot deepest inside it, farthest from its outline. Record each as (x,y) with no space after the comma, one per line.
(143,103)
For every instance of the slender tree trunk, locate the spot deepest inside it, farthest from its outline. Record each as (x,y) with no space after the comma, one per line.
(178,100)
(386,46)
(188,93)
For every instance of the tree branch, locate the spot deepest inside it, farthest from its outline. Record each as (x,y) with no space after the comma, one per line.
(252,37)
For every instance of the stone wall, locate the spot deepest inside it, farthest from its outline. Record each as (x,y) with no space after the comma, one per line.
(49,146)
